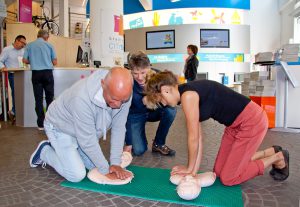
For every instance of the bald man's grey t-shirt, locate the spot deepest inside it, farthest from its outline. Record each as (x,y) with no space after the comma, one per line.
(216,101)
(82,112)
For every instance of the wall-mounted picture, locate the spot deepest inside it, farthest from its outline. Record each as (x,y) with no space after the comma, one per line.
(163,39)
(214,38)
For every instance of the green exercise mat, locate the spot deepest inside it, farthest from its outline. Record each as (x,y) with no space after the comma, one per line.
(154,184)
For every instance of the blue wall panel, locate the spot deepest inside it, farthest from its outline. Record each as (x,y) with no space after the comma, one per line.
(167,4)
(132,6)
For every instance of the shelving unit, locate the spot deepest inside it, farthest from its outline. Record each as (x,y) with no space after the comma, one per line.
(287,76)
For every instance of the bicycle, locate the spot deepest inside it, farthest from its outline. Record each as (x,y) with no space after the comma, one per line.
(44,22)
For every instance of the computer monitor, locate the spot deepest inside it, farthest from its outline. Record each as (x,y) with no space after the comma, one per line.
(79,54)
(202,76)
(163,39)
(214,38)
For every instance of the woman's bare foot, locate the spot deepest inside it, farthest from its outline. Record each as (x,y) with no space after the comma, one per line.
(263,154)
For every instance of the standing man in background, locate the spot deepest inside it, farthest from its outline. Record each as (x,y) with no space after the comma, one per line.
(41,56)
(9,58)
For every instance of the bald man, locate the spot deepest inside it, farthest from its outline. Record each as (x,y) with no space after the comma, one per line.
(77,119)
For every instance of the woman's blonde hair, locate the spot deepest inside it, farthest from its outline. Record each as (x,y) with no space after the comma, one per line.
(153,86)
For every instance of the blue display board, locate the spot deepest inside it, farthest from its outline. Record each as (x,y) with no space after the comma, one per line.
(221,57)
(167,4)
(202,57)
(294,63)
(166,58)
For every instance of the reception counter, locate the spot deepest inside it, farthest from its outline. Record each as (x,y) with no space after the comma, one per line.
(64,77)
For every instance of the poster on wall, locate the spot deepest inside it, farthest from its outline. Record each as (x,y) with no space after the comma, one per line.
(163,39)
(112,42)
(25,11)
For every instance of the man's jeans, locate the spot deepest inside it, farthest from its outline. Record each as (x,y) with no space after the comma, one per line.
(42,80)
(64,155)
(135,128)
(12,87)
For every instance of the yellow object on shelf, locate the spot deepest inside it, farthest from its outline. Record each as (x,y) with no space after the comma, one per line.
(181,79)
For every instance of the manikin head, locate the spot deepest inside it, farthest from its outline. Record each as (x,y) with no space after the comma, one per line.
(139,64)
(162,88)
(20,42)
(117,87)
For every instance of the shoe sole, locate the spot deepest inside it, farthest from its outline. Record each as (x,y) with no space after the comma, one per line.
(168,154)
(155,150)
(32,155)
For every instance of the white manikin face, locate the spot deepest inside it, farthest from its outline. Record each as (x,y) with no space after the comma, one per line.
(188,188)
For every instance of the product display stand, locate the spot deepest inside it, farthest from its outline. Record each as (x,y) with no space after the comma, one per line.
(268,64)
(295,84)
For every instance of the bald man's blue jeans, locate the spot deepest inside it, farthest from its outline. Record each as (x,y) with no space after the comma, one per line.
(135,128)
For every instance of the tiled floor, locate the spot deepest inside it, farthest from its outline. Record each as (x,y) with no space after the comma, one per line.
(22,186)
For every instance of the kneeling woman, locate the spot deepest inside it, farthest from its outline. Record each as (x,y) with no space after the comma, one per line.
(246,125)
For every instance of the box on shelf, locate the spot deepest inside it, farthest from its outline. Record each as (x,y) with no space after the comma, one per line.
(264,57)
(258,85)
(290,52)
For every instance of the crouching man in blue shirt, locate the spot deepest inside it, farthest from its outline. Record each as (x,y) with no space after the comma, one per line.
(135,139)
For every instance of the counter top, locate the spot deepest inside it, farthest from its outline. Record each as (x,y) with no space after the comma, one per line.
(56,68)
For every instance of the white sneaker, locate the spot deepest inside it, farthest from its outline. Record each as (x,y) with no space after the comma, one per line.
(41,128)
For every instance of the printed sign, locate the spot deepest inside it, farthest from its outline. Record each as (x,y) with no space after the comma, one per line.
(136,23)
(202,57)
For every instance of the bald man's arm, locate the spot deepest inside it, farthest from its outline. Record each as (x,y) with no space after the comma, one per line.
(85,132)
(118,131)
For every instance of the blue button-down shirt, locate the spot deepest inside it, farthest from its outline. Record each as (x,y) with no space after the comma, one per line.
(9,57)
(40,54)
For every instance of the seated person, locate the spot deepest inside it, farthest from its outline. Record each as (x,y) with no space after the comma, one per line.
(135,138)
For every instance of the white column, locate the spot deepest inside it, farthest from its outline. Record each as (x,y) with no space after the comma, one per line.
(64,18)
(107,44)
